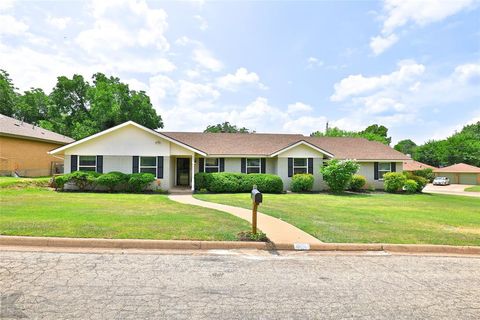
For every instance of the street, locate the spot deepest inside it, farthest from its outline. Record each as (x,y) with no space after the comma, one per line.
(237,285)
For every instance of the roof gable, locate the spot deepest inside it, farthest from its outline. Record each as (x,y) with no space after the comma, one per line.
(459,168)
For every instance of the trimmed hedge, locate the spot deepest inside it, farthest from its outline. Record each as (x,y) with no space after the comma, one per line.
(410,186)
(394,181)
(302,182)
(224,182)
(113,181)
(357,183)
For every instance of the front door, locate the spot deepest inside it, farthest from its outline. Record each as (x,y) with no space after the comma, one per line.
(183,171)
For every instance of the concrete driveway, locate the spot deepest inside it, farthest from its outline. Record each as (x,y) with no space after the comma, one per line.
(453,189)
(237,285)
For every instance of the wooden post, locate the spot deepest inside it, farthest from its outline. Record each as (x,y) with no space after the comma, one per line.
(254,218)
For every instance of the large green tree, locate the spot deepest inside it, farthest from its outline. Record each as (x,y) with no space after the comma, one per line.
(7,94)
(406,146)
(225,127)
(372,133)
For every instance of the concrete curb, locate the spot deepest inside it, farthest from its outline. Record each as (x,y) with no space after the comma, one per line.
(225,245)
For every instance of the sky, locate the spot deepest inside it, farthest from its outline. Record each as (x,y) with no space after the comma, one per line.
(286,66)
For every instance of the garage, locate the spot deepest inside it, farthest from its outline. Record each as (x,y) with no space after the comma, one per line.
(460,173)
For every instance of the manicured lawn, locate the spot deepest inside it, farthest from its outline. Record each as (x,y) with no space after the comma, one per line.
(473,189)
(8,182)
(380,218)
(42,212)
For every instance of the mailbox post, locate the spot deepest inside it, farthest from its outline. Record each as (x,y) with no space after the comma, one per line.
(257,198)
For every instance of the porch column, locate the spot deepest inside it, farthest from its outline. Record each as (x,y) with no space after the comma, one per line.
(193,172)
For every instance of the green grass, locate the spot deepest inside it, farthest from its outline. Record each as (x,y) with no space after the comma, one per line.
(42,212)
(473,189)
(378,218)
(12,182)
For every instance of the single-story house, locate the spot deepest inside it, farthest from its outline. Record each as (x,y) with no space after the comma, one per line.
(412,165)
(24,147)
(460,173)
(174,157)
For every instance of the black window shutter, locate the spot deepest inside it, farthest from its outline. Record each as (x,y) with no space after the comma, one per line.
(100,164)
(159,167)
(310,165)
(73,163)
(375,170)
(201,165)
(243,165)
(222,164)
(263,165)
(290,167)
(135,164)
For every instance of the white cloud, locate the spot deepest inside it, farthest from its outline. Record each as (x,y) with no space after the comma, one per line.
(59,22)
(398,13)
(206,59)
(203,24)
(469,72)
(241,77)
(305,125)
(298,107)
(379,44)
(9,25)
(314,62)
(197,95)
(6,4)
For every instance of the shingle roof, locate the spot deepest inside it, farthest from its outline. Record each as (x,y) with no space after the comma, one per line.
(412,165)
(13,127)
(268,143)
(459,168)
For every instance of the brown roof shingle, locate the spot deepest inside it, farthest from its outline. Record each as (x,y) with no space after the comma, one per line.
(13,127)
(412,165)
(266,144)
(459,168)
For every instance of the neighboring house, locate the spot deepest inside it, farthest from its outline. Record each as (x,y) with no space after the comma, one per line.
(24,147)
(412,165)
(460,173)
(174,157)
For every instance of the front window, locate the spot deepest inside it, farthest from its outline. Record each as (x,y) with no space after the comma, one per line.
(300,165)
(384,167)
(212,165)
(87,163)
(254,165)
(148,165)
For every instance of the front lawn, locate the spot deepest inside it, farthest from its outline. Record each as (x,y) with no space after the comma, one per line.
(473,189)
(380,218)
(10,182)
(42,212)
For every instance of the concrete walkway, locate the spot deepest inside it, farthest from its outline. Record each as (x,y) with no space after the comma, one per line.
(452,189)
(277,231)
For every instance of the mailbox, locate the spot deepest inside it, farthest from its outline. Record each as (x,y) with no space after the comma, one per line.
(257,196)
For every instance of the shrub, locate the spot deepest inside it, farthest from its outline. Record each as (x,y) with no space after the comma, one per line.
(338,174)
(137,182)
(302,182)
(60,181)
(250,236)
(410,186)
(421,181)
(425,173)
(113,180)
(238,182)
(357,183)
(394,181)
(83,179)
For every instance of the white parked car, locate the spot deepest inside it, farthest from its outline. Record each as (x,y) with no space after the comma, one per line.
(441,181)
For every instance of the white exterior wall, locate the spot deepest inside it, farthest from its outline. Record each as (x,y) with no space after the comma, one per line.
(367,170)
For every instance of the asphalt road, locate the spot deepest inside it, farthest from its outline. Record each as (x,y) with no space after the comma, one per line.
(237,285)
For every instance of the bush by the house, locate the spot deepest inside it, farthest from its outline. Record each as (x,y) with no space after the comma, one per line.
(137,182)
(84,179)
(410,186)
(59,181)
(357,183)
(113,180)
(238,182)
(425,173)
(338,174)
(421,181)
(394,181)
(302,182)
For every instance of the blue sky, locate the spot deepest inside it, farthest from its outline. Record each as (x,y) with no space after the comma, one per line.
(411,65)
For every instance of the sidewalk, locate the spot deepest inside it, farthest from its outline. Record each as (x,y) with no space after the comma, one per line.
(277,231)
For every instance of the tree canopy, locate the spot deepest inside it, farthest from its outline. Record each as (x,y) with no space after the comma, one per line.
(373,132)
(225,127)
(406,146)
(77,108)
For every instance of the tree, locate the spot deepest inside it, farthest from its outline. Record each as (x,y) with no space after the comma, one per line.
(406,146)
(32,106)
(225,127)
(7,94)
(372,133)
(338,174)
